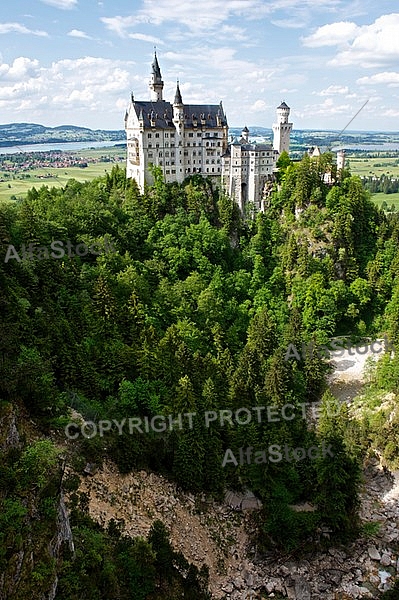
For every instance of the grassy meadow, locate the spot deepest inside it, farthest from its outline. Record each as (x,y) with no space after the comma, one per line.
(375,167)
(18,185)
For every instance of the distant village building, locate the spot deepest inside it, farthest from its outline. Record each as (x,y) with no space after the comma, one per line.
(186,139)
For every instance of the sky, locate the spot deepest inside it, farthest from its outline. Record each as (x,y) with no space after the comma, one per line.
(76,62)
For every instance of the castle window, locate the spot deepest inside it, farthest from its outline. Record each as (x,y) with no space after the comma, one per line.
(172,153)
(150,145)
(173,171)
(166,134)
(172,135)
(194,143)
(167,171)
(150,155)
(150,135)
(188,143)
(157,145)
(199,134)
(166,153)
(157,135)
(190,135)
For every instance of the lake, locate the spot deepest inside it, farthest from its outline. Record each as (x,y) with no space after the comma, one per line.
(64,146)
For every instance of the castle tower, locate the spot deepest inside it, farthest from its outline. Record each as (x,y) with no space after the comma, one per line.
(245,133)
(156,83)
(178,122)
(340,160)
(282,129)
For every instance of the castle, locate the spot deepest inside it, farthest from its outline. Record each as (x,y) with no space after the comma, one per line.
(186,139)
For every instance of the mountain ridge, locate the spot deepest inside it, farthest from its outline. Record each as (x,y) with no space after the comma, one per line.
(35,133)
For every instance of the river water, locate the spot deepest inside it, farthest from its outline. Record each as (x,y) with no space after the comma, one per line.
(64,146)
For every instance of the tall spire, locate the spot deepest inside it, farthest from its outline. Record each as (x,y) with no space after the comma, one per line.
(178,98)
(156,71)
(156,83)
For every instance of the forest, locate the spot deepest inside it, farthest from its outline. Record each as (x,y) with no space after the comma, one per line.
(192,312)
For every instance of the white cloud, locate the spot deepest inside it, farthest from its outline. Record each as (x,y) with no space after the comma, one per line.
(391,112)
(209,14)
(288,23)
(146,38)
(120,25)
(333,34)
(258,106)
(79,34)
(374,45)
(22,67)
(334,90)
(18,28)
(329,108)
(63,4)
(390,78)
(75,87)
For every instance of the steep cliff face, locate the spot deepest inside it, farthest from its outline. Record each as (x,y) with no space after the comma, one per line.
(34,524)
(223,538)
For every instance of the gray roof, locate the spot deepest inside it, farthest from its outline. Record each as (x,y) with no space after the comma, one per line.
(250,147)
(155,68)
(178,99)
(283,105)
(162,113)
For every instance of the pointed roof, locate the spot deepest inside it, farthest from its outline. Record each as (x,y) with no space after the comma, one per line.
(178,98)
(283,105)
(246,129)
(155,68)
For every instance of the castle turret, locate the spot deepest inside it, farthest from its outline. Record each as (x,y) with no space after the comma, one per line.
(282,129)
(178,121)
(156,83)
(340,160)
(245,133)
(178,108)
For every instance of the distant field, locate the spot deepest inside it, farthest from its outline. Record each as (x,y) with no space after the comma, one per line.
(373,166)
(19,186)
(388,198)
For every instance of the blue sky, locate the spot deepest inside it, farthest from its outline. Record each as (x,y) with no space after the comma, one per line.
(76,61)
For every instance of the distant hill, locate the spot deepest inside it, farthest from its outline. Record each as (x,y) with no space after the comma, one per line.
(18,134)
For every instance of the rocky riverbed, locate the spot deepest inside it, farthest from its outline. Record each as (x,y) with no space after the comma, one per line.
(220,534)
